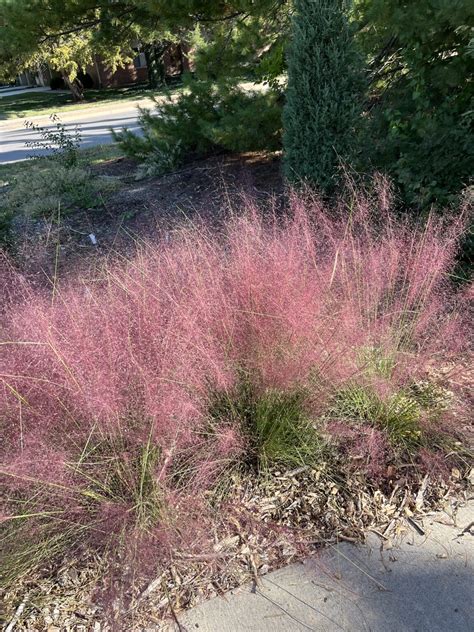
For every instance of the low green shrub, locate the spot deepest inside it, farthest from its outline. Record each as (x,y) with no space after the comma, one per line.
(207,116)
(427,151)
(159,161)
(246,121)
(57,182)
(38,188)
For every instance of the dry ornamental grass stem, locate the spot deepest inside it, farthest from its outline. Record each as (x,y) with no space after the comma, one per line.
(166,400)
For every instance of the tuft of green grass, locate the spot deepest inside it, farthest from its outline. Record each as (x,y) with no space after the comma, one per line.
(24,550)
(399,415)
(106,476)
(102,477)
(376,361)
(274,423)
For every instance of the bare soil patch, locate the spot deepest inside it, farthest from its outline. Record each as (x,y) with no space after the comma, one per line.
(142,210)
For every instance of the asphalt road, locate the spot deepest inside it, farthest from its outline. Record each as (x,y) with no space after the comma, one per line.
(94,123)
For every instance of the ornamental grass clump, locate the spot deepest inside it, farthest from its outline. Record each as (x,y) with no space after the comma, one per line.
(128,397)
(273,424)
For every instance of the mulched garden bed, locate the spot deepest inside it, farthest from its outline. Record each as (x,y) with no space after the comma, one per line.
(269,523)
(141,210)
(260,524)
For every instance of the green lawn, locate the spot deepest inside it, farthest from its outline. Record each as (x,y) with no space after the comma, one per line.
(37,103)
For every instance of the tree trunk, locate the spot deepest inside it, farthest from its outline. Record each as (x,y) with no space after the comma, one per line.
(184,65)
(154,59)
(184,51)
(76,88)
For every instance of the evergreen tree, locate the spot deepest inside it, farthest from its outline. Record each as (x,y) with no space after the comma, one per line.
(421,119)
(324,96)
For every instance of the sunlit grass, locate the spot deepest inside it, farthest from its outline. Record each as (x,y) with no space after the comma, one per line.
(44,103)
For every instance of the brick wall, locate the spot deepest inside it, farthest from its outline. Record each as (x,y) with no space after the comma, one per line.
(175,61)
(123,76)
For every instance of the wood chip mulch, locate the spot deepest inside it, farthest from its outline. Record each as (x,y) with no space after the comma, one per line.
(279,519)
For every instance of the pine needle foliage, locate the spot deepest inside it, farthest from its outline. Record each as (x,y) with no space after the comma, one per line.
(324,96)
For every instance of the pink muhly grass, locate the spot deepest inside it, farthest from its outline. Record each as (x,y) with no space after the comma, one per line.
(366,448)
(106,386)
(433,464)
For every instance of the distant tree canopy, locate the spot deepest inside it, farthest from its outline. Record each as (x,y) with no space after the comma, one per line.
(66,33)
(419,56)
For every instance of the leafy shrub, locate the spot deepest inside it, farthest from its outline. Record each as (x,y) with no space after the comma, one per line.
(428,152)
(123,404)
(421,115)
(59,142)
(205,117)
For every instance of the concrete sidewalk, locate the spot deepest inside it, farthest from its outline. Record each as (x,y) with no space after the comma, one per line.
(426,584)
